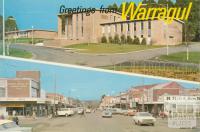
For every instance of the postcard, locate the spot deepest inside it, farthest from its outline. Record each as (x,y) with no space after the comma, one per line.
(99,65)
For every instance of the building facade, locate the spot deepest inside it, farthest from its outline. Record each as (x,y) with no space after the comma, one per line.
(35,33)
(80,28)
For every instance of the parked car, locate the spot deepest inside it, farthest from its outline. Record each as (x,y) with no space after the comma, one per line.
(131,112)
(65,112)
(11,126)
(107,113)
(80,111)
(88,110)
(144,118)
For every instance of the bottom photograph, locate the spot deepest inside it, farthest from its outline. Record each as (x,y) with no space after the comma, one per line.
(38,96)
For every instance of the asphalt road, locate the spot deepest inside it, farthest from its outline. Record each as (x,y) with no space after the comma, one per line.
(95,123)
(71,57)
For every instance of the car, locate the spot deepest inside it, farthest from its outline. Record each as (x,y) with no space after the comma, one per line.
(144,118)
(80,111)
(11,126)
(88,111)
(131,112)
(107,113)
(65,112)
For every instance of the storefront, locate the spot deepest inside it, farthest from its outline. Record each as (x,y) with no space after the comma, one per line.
(25,107)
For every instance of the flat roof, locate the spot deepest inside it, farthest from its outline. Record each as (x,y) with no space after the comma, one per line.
(128,21)
(30,30)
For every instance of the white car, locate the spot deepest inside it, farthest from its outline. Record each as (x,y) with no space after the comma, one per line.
(10,126)
(144,118)
(107,113)
(80,111)
(88,111)
(65,112)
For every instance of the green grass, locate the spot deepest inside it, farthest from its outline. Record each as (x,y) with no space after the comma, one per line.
(19,53)
(109,48)
(194,57)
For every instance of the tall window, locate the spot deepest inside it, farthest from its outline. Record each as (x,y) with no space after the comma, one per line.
(82,24)
(142,28)
(149,28)
(121,27)
(115,27)
(135,29)
(128,26)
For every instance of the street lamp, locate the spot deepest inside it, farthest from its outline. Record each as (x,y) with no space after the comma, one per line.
(187,46)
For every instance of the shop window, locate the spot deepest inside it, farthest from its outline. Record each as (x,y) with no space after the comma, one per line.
(2,92)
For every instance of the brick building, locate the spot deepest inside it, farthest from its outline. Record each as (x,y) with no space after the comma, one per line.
(80,28)
(21,95)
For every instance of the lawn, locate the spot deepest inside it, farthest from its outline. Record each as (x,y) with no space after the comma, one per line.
(19,53)
(194,57)
(109,48)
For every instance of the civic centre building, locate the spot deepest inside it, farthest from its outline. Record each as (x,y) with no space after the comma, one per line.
(81,28)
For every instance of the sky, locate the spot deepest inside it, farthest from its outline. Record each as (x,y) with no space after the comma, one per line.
(77,82)
(42,14)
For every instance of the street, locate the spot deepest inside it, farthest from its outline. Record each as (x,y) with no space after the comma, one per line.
(95,123)
(95,60)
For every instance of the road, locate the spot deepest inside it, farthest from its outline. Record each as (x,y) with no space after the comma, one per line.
(95,123)
(71,57)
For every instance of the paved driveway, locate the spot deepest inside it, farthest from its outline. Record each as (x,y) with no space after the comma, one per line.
(71,57)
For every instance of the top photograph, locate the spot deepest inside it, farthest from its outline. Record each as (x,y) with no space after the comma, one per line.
(151,37)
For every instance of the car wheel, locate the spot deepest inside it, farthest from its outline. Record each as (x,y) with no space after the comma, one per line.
(153,124)
(66,115)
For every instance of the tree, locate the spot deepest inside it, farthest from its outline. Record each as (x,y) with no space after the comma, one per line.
(1,27)
(110,39)
(10,24)
(116,39)
(103,39)
(136,40)
(144,42)
(129,39)
(123,39)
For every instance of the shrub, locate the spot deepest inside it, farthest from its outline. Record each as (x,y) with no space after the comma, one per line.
(116,39)
(123,39)
(103,39)
(129,39)
(144,42)
(136,40)
(110,39)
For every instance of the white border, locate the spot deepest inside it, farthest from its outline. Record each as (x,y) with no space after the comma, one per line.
(97,69)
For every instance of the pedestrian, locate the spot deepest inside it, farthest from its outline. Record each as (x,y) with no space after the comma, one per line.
(16,119)
(34,115)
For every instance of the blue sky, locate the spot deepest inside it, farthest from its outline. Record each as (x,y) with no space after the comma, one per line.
(78,83)
(42,14)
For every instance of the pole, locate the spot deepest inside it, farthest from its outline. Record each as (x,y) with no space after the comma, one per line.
(54,94)
(167,34)
(32,35)
(4,47)
(187,48)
